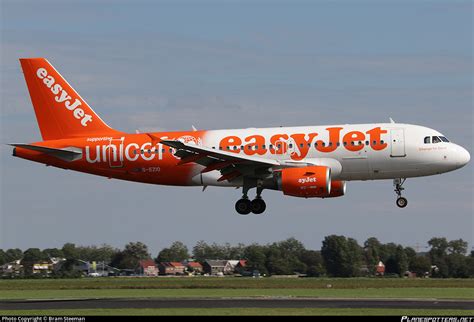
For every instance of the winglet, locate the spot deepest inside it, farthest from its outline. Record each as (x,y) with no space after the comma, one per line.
(154,139)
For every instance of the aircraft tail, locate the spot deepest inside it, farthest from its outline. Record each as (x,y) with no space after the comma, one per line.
(60,110)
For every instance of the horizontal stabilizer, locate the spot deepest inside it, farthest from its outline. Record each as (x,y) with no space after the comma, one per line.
(65,154)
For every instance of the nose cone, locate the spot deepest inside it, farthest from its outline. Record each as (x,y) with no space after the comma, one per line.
(463,156)
(458,157)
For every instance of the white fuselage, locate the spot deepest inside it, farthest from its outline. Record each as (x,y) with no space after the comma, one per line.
(353,152)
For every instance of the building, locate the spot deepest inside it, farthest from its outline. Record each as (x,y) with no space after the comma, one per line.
(380,269)
(171,268)
(194,267)
(43,268)
(241,267)
(215,266)
(82,266)
(147,268)
(11,269)
(235,266)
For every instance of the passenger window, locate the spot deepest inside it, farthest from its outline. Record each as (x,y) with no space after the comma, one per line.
(435,139)
(291,146)
(301,145)
(366,142)
(323,144)
(263,146)
(271,146)
(171,150)
(427,140)
(315,144)
(338,143)
(330,143)
(381,141)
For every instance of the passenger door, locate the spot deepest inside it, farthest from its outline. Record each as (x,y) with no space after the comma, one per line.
(397,143)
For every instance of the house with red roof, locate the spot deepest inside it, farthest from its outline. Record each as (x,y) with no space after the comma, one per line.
(171,268)
(194,267)
(147,267)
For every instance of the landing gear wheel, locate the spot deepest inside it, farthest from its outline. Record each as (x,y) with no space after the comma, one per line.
(243,206)
(398,184)
(258,206)
(402,202)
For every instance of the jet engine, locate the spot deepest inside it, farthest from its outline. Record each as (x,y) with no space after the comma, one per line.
(338,189)
(305,182)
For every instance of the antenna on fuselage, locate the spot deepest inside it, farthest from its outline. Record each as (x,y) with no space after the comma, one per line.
(391,120)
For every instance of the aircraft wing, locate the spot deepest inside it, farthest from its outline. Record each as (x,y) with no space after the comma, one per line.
(231,165)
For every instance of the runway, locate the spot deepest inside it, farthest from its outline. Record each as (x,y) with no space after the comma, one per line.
(235,303)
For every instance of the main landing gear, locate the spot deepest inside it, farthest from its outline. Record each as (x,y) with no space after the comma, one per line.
(244,206)
(398,184)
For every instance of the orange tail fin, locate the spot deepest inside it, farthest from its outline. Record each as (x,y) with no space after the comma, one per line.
(60,110)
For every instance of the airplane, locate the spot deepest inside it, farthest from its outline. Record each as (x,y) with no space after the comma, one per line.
(303,161)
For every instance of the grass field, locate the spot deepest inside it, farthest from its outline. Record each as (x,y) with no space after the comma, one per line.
(203,287)
(230,283)
(247,311)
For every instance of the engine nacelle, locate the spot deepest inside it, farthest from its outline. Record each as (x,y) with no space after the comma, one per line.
(305,182)
(338,189)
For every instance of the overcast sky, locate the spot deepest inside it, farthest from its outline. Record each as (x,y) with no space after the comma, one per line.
(169,65)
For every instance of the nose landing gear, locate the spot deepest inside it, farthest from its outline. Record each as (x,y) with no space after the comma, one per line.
(398,184)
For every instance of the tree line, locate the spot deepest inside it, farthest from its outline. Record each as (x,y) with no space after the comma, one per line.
(339,256)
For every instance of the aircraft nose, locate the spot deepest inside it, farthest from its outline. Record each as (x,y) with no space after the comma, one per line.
(462,156)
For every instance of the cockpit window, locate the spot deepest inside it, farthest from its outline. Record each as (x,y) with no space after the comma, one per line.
(444,139)
(427,140)
(436,139)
